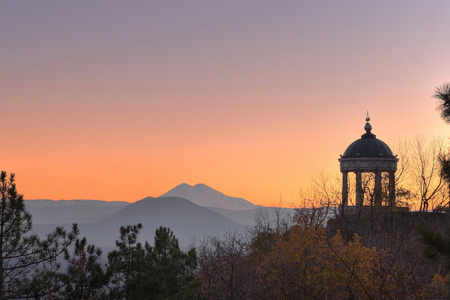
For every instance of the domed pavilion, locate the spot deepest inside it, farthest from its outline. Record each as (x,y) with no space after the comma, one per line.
(368,155)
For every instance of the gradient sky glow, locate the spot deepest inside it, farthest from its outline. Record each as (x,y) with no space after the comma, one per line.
(120,100)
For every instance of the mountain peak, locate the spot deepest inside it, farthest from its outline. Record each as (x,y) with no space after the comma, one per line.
(203,195)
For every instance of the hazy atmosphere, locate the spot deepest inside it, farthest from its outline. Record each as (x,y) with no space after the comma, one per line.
(121,100)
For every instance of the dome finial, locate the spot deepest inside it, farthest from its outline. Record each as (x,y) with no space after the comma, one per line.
(368,127)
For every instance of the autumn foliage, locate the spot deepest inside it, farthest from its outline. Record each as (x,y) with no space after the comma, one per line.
(307,263)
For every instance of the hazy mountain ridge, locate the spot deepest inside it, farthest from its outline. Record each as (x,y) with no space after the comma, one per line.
(46,211)
(186,219)
(180,210)
(62,202)
(207,212)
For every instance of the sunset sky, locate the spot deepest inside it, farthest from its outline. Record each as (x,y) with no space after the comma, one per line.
(120,100)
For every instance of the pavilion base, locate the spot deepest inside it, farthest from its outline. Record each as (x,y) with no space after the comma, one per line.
(366,209)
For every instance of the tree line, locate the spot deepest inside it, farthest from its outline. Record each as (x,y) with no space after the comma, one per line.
(291,257)
(64,266)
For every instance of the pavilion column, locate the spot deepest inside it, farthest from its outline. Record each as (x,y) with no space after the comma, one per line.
(359,193)
(378,192)
(344,189)
(392,189)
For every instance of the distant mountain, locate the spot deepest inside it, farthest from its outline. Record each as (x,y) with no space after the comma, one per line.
(49,202)
(71,211)
(168,211)
(203,195)
(187,220)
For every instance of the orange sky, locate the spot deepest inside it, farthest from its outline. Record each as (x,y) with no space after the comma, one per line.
(124,100)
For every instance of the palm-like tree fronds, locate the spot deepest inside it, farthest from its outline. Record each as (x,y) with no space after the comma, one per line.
(442,93)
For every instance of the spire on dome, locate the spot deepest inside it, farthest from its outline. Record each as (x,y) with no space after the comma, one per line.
(368,127)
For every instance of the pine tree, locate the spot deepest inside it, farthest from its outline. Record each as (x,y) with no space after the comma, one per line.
(170,272)
(126,262)
(85,277)
(161,271)
(437,243)
(28,264)
(442,93)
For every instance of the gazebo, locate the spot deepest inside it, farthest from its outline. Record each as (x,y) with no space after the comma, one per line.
(368,154)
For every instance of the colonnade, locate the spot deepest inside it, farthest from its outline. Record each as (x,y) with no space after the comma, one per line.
(359,195)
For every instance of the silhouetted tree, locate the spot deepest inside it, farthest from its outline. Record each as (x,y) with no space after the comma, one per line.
(161,271)
(442,93)
(225,271)
(28,264)
(85,277)
(168,272)
(126,262)
(425,170)
(445,166)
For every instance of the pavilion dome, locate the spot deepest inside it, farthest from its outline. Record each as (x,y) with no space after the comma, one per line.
(368,146)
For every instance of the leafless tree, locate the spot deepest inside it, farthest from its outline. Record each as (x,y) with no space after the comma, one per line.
(418,178)
(425,173)
(319,202)
(224,270)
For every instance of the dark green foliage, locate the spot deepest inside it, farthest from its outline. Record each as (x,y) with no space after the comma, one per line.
(27,264)
(85,277)
(159,272)
(445,166)
(436,243)
(171,271)
(442,93)
(125,263)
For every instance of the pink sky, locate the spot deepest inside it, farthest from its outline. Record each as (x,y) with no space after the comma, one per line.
(121,100)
